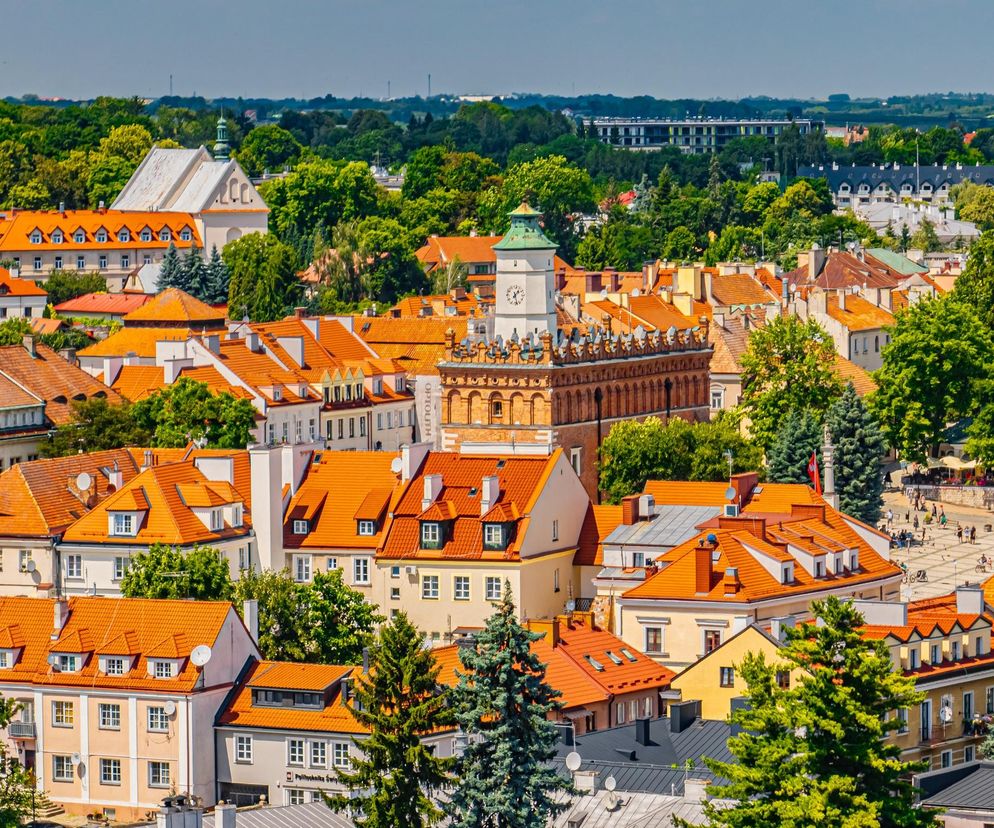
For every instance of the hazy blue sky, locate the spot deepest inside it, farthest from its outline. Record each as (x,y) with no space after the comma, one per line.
(665,48)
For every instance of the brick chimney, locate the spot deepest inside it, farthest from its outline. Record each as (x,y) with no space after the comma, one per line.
(630,510)
(702,568)
(731,581)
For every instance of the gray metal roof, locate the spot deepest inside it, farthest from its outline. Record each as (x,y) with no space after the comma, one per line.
(636,810)
(895,177)
(963,787)
(671,526)
(311,815)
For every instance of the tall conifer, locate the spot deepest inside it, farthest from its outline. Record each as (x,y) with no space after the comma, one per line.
(859,445)
(170,272)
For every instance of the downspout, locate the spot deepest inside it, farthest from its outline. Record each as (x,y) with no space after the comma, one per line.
(668,388)
(598,397)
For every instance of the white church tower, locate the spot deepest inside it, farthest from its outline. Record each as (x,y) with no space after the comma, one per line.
(525,301)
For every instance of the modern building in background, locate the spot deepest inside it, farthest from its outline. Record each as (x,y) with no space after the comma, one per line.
(692,135)
(893,183)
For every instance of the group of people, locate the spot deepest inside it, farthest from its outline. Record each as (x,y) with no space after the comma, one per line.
(969,533)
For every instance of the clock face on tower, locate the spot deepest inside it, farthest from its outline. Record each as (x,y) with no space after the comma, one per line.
(515,294)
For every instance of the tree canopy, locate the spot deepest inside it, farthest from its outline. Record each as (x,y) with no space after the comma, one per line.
(16,782)
(263,277)
(859,447)
(164,571)
(96,425)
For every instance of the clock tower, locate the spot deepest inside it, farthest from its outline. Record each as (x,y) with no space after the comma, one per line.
(525,301)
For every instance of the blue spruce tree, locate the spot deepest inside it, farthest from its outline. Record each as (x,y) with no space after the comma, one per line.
(170,273)
(218,278)
(859,445)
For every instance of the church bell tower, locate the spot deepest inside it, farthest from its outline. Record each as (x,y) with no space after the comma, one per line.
(525,301)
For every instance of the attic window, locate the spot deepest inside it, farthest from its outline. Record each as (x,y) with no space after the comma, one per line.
(300,527)
(787,575)
(146,235)
(473,492)
(79,237)
(367,527)
(57,237)
(165,235)
(593,662)
(185,234)
(431,535)
(501,463)
(613,657)
(101,236)
(36,237)
(493,536)
(628,654)
(124,236)
(67,663)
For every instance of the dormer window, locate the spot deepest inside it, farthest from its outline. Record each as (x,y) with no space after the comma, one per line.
(431,535)
(367,528)
(185,234)
(277,394)
(286,698)
(955,650)
(377,386)
(165,235)
(7,659)
(819,569)
(122,523)
(146,235)
(787,574)
(301,527)
(57,237)
(493,536)
(853,560)
(400,385)
(124,236)
(102,236)
(112,665)
(67,663)
(217,520)
(79,237)
(163,669)
(36,237)
(236,515)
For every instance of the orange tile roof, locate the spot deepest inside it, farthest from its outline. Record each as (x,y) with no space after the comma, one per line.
(260,371)
(444,304)
(49,376)
(441,250)
(15,395)
(328,498)
(850,372)
(598,523)
(737,289)
(211,377)
(115,304)
(10,286)
(135,382)
(158,493)
(41,498)
(96,621)
(859,315)
(334,717)
(730,341)
(173,305)
(137,341)
(684,493)
(16,229)
(520,479)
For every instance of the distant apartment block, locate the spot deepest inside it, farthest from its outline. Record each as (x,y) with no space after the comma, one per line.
(857,187)
(692,135)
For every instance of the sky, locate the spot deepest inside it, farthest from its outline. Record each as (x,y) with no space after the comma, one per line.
(662,48)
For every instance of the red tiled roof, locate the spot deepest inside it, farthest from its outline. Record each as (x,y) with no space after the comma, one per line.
(116,304)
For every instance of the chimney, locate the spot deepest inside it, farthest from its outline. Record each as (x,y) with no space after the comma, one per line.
(147,460)
(702,568)
(411,457)
(646,507)
(294,346)
(61,615)
(642,731)
(731,581)
(432,489)
(112,367)
(969,600)
(266,487)
(592,282)
(842,300)
(744,483)
(560,278)
(779,626)
(299,312)
(30,345)
(213,343)
(62,207)
(116,477)
(816,260)
(828,465)
(250,615)
(585,781)
(695,790)
(613,279)
(224,816)
(252,341)
(683,715)
(630,510)
(489,492)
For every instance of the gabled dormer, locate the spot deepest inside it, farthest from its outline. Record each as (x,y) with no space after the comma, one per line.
(436,524)
(70,652)
(117,657)
(36,236)
(145,234)
(57,236)
(79,236)
(126,513)
(11,646)
(101,235)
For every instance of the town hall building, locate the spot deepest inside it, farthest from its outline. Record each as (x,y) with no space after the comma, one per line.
(535,387)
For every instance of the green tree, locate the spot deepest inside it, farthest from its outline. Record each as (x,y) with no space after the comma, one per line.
(283,604)
(268,147)
(634,452)
(712,443)
(167,572)
(798,437)
(859,445)
(399,704)
(171,274)
(16,782)
(424,171)
(504,778)
(195,274)
(975,285)
(977,206)
(925,237)
(788,366)
(938,353)
(31,195)
(263,283)
(63,285)
(680,245)
(188,410)
(96,425)
(217,279)
(815,754)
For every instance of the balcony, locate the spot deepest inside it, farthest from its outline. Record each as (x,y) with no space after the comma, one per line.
(21,730)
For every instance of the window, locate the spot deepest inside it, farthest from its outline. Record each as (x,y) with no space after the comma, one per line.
(956,650)
(124,524)
(367,527)
(295,752)
(294,796)
(68,663)
(302,568)
(555,580)
(946,759)
(394,593)
(114,666)
(165,235)
(902,718)
(619,714)
(430,533)
(102,236)
(429,586)
(23,558)
(62,769)
(37,262)
(978,646)
(379,422)
(163,669)
(460,588)
(969,753)
(146,235)
(185,234)
(110,771)
(74,566)
(332,564)
(394,571)
(360,570)
(935,654)
(158,774)
(576,458)
(496,411)
(63,714)
(351,426)
(243,749)
(217,522)
(81,263)
(125,260)
(158,721)
(968,705)
(783,679)
(493,588)
(57,237)
(717,398)
(638,559)
(110,716)
(990,700)
(726,676)
(319,754)
(36,237)
(4,660)
(654,640)
(58,263)
(236,517)
(913,658)
(341,755)
(300,527)
(712,640)
(555,530)
(362,426)
(493,535)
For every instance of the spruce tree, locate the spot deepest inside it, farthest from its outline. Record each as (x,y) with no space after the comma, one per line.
(502,702)
(815,754)
(170,272)
(788,458)
(217,279)
(398,702)
(195,274)
(859,446)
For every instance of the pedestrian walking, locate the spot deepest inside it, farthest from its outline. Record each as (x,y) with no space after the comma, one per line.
(890,518)
(973,534)
(935,512)
(942,511)
(916,523)
(959,533)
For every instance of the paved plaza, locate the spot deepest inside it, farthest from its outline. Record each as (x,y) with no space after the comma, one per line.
(948,561)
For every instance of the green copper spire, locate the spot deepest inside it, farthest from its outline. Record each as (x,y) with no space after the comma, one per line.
(525,232)
(222,150)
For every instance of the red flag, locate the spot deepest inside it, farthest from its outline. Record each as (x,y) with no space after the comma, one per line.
(813,472)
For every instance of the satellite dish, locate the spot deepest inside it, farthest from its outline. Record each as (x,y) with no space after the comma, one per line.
(75,758)
(636,293)
(30,566)
(603,293)
(201,655)
(83,481)
(730,493)
(573,761)
(610,783)
(396,465)
(946,714)
(170,707)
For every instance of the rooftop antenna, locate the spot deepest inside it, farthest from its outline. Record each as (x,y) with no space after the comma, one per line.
(388,90)
(429,84)
(170,84)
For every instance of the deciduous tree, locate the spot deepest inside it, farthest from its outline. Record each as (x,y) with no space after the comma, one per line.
(167,572)
(16,782)
(63,285)
(95,425)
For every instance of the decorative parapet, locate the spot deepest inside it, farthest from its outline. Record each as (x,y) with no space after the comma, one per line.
(600,344)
